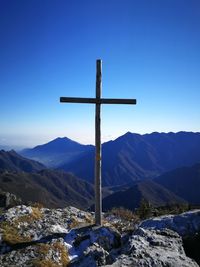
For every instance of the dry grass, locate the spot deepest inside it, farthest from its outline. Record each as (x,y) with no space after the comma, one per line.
(43,249)
(45,260)
(125,221)
(89,219)
(11,235)
(10,230)
(34,216)
(75,223)
(44,263)
(63,253)
(124,214)
(38,205)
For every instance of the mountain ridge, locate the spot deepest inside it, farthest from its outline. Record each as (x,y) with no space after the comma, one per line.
(12,161)
(154,193)
(178,186)
(133,157)
(184,182)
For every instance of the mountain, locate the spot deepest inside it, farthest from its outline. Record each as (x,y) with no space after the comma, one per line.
(130,198)
(56,151)
(51,188)
(134,157)
(31,181)
(11,161)
(184,182)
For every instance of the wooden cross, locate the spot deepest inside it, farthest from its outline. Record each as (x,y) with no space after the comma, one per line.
(97,101)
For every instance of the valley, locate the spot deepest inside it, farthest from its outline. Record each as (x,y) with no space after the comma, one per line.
(162,168)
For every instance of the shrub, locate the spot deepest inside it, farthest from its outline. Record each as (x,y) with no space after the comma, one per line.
(145,210)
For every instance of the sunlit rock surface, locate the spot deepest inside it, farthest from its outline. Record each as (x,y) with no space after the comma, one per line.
(187,223)
(154,248)
(33,236)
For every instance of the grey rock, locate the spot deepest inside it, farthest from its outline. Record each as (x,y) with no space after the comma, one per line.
(8,200)
(63,236)
(157,248)
(185,224)
(92,245)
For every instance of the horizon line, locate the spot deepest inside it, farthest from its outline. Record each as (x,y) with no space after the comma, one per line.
(21,147)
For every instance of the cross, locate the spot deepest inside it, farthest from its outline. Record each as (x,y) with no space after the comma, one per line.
(97,101)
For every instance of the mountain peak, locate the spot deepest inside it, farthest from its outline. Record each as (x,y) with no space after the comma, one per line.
(62,140)
(59,144)
(57,151)
(128,133)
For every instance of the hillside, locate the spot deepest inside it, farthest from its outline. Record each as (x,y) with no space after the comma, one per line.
(30,181)
(184,182)
(51,188)
(56,151)
(134,157)
(11,161)
(131,198)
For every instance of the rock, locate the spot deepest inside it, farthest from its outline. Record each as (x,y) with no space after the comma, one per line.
(49,253)
(185,224)
(8,200)
(25,228)
(92,244)
(157,248)
(59,237)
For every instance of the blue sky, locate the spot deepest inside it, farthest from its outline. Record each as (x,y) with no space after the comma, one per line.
(150,51)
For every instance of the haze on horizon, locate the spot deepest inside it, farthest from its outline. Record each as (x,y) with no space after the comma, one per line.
(150,51)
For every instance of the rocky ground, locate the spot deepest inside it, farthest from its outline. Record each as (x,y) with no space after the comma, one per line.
(34,236)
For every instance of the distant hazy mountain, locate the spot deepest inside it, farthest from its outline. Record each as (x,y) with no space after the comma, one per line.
(56,152)
(11,161)
(184,182)
(134,157)
(131,198)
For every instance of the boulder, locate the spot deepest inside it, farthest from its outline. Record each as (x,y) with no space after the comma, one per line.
(156,248)
(8,200)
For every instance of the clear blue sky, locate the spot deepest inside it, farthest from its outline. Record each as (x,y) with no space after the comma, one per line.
(48,48)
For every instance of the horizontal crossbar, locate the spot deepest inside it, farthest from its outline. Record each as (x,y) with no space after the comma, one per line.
(97,101)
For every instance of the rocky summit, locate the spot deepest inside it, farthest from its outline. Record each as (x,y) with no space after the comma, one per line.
(36,236)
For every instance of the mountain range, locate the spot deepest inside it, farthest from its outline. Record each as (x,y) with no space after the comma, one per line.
(55,188)
(134,157)
(180,186)
(158,167)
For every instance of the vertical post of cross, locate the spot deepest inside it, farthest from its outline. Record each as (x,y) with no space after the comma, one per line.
(98,197)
